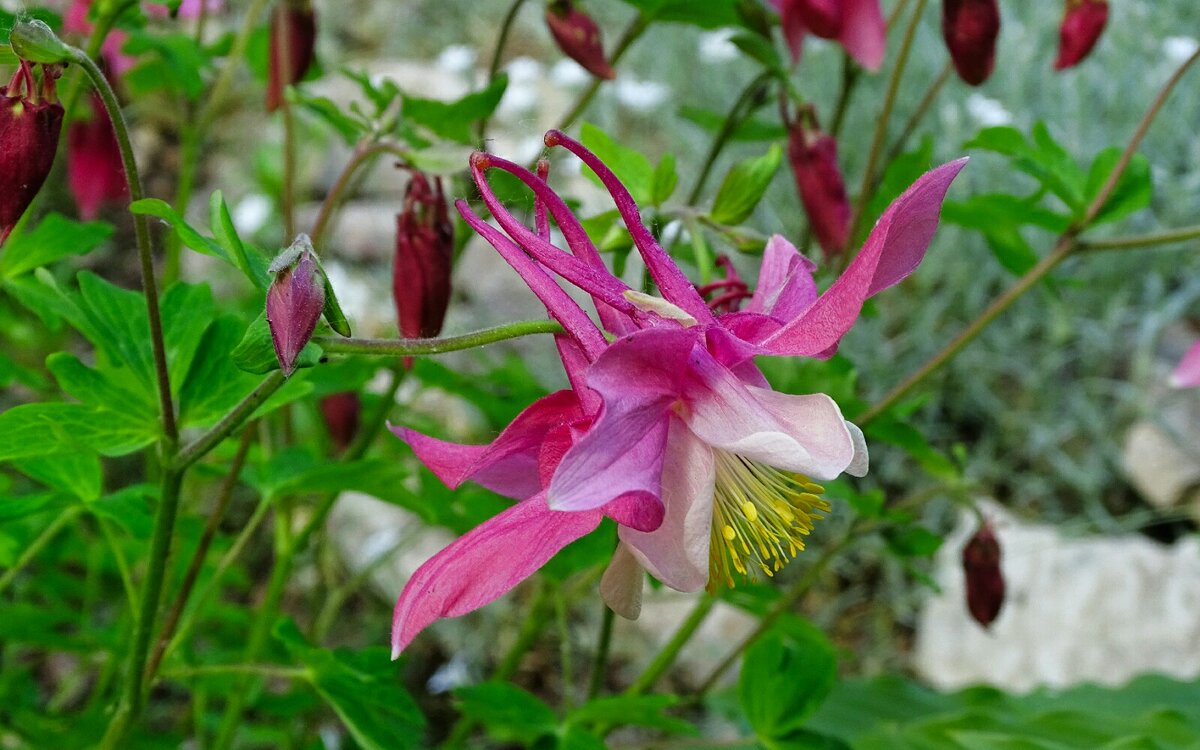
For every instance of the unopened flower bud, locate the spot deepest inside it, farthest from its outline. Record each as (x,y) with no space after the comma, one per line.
(32,40)
(578,37)
(424,252)
(1083,21)
(341,412)
(95,172)
(821,17)
(295,301)
(293,41)
(30,121)
(985,580)
(813,156)
(970,28)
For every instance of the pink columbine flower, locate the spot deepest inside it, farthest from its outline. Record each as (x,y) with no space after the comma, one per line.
(76,22)
(970,28)
(95,172)
(671,430)
(1083,22)
(578,36)
(857,25)
(812,154)
(30,122)
(1187,374)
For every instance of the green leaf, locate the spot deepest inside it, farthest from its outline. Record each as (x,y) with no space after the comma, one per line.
(16,508)
(1133,191)
(129,508)
(630,166)
(351,129)
(507,713)
(578,738)
(78,473)
(1043,158)
(102,389)
(362,687)
(177,63)
(760,49)
(904,435)
(187,234)
(48,429)
(749,130)
(664,180)
(913,541)
(785,677)
(256,353)
(743,187)
(453,120)
(252,261)
(632,710)
(54,237)
(710,14)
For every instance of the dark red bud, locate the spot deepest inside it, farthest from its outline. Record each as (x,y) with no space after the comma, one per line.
(985,580)
(294,301)
(813,156)
(970,28)
(341,412)
(424,252)
(1083,21)
(30,121)
(821,17)
(578,37)
(293,39)
(95,173)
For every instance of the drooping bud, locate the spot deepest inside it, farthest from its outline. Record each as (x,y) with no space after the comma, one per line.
(970,28)
(985,580)
(578,37)
(95,172)
(341,412)
(295,301)
(1083,21)
(424,252)
(30,122)
(821,17)
(33,41)
(813,156)
(293,42)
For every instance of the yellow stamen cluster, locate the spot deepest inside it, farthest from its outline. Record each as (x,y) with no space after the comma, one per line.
(760,516)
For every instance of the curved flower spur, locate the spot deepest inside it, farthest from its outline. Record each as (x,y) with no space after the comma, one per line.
(670,429)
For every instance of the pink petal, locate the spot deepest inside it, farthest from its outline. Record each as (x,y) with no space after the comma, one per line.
(677,552)
(1187,374)
(785,286)
(794,29)
(485,563)
(806,434)
(892,251)
(510,464)
(864,32)
(621,585)
(639,377)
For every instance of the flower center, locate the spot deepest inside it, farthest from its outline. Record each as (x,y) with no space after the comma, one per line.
(760,518)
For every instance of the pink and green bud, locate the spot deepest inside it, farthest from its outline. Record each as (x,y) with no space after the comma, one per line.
(578,37)
(30,121)
(95,173)
(293,43)
(970,28)
(813,156)
(295,301)
(984,578)
(424,254)
(1083,22)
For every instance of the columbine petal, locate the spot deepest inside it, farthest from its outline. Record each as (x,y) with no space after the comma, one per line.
(485,563)
(805,434)
(677,552)
(892,251)
(785,285)
(864,32)
(509,465)
(1187,374)
(861,463)
(621,585)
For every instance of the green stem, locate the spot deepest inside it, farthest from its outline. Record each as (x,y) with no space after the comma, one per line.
(220,89)
(132,696)
(362,153)
(881,123)
(741,109)
(145,249)
(200,447)
(1169,237)
(494,68)
(918,114)
(666,656)
(261,670)
(635,29)
(797,590)
(38,544)
(122,563)
(1066,244)
(415,347)
(851,74)
(189,158)
(603,646)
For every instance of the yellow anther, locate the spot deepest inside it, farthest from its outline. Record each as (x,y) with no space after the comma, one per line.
(729,533)
(750,511)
